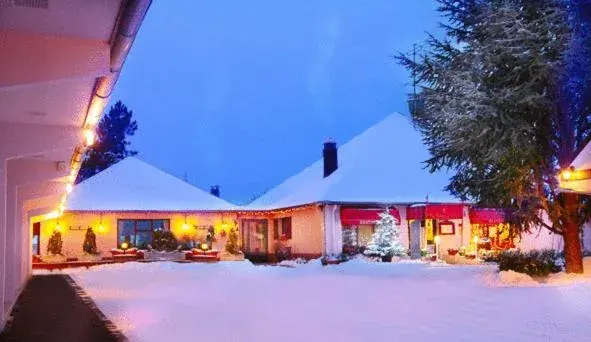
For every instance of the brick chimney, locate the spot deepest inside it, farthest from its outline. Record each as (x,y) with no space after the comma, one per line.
(329,154)
(215,190)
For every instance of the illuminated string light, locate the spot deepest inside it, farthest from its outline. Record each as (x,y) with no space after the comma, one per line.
(89,137)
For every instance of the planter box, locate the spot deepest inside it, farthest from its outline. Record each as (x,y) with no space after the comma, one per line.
(330,262)
(90,258)
(54,259)
(197,255)
(124,257)
(349,250)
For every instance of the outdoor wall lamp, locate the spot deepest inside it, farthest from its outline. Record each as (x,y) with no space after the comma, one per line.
(567,174)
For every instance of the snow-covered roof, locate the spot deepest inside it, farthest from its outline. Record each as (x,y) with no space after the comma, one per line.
(384,164)
(133,185)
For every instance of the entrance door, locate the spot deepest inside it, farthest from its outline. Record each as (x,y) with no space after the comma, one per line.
(415,239)
(254,237)
(36,240)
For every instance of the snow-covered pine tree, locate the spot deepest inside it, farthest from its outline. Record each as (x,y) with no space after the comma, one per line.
(495,107)
(385,241)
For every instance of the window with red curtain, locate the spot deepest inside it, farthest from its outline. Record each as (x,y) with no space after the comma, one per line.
(286,227)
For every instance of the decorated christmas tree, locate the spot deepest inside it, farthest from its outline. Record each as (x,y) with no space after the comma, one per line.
(89,245)
(164,240)
(232,244)
(385,241)
(54,245)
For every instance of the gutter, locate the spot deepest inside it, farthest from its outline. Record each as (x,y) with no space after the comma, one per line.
(128,24)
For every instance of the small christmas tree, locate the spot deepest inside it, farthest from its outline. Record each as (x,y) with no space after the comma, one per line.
(385,241)
(210,238)
(164,240)
(232,244)
(89,245)
(54,246)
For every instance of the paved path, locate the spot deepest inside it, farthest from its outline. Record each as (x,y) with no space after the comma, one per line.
(53,308)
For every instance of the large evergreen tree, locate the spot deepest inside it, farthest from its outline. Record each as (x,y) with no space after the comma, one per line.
(112,144)
(498,106)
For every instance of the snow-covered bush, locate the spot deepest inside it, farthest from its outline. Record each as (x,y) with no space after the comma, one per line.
(536,263)
(385,241)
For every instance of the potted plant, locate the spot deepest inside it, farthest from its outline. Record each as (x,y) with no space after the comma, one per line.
(387,257)
(452,251)
(433,257)
(283,251)
(349,249)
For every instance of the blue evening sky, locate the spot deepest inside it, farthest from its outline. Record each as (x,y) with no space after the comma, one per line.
(243,93)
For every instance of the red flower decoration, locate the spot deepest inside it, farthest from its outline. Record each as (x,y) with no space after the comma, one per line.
(223,233)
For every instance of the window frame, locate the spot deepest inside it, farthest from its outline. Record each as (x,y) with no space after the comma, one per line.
(136,230)
(447,223)
(279,227)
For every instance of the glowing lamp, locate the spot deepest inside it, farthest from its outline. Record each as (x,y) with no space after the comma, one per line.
(69,187)
(476,239)
(89,137)
(52,215)
(437,239)
(101,228)
(185,227)
(58,228)
(567,174)
(224,226)
(204,246)
(124,245)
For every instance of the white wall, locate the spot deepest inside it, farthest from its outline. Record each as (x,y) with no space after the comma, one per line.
(540,239)
(404,235)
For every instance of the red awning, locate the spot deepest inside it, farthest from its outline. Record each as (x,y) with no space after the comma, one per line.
(357,216)
(415,213)
(436,212)
(487,216)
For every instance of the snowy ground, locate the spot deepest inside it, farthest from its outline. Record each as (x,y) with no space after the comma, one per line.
(356,301)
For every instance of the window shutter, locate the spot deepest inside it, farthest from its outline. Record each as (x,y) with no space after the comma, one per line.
(276,229)
(287,227)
